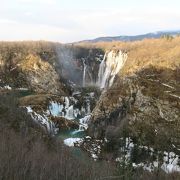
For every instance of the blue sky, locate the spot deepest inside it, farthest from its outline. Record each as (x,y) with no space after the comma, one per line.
(74,20)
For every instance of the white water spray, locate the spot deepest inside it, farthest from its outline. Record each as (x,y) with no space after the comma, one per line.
(84,73)
(70,112)
(110,66)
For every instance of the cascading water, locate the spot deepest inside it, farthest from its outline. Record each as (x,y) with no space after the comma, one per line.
(56,109)
(110,66)
(101,71)
(70,112)
(84,73)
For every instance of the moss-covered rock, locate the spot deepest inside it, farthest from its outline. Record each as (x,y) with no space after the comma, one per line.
(65,124)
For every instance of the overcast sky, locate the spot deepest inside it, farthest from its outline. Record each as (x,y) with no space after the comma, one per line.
(74,20)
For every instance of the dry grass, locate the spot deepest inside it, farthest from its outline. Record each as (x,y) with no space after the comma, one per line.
(159,53)
(27,153)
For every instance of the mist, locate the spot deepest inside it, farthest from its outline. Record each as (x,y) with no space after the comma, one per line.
(69,66)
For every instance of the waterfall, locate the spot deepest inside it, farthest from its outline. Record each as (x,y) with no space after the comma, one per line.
(66,99)
(84,73)
(101,71)
(43,120)
(55,109)
(69,109)
(110,66)
(70,112)
(83,124)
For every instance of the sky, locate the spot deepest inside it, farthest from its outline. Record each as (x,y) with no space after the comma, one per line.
(74,20)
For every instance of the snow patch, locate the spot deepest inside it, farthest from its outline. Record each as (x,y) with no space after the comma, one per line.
(169,164)
(168,86)
(71,141)
(23,89)
(7,87)
(174,95)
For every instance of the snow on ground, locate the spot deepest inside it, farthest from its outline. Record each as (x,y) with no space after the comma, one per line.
(174,95)
(168,86)
(71,141)
(29,109)
(93,147)
(95,150)
(6,87)
(168,166)
(23,89)
(170,160)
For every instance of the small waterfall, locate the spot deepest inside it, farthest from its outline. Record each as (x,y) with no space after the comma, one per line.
(43,120)
(84,73)
(101,71)
(88,106)
(56,109)
(66,102)
(67,109)
(110,66)
(70,112)
(62,110)
(83,124)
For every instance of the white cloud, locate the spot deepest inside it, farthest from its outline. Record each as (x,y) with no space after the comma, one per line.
(7,21)
(18,31)
(38,1)
(73,25)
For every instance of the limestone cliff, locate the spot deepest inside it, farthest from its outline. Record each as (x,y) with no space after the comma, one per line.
(144,101)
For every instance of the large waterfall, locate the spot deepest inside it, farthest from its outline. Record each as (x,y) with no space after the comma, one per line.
(84,73)
(110,66)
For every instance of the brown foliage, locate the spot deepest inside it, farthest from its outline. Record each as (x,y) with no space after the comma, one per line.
(160,53)
(27,153)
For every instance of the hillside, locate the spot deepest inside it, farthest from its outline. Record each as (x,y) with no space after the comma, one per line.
(155,35)
(142,106)
(117,103)
(140,37)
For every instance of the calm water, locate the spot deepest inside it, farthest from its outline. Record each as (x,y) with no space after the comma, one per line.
(64,134)
(23,93)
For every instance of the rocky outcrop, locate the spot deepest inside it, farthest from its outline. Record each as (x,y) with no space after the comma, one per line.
(65,124)
(31,65)
(79,65)
(41,76)
(46,67)
(140,107)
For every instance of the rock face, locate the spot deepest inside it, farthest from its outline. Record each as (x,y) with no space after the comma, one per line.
(144,108)
(30,65)
(143,103)
(48,67)
(41,76)
(80,65)
(140,97)
(65,124)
